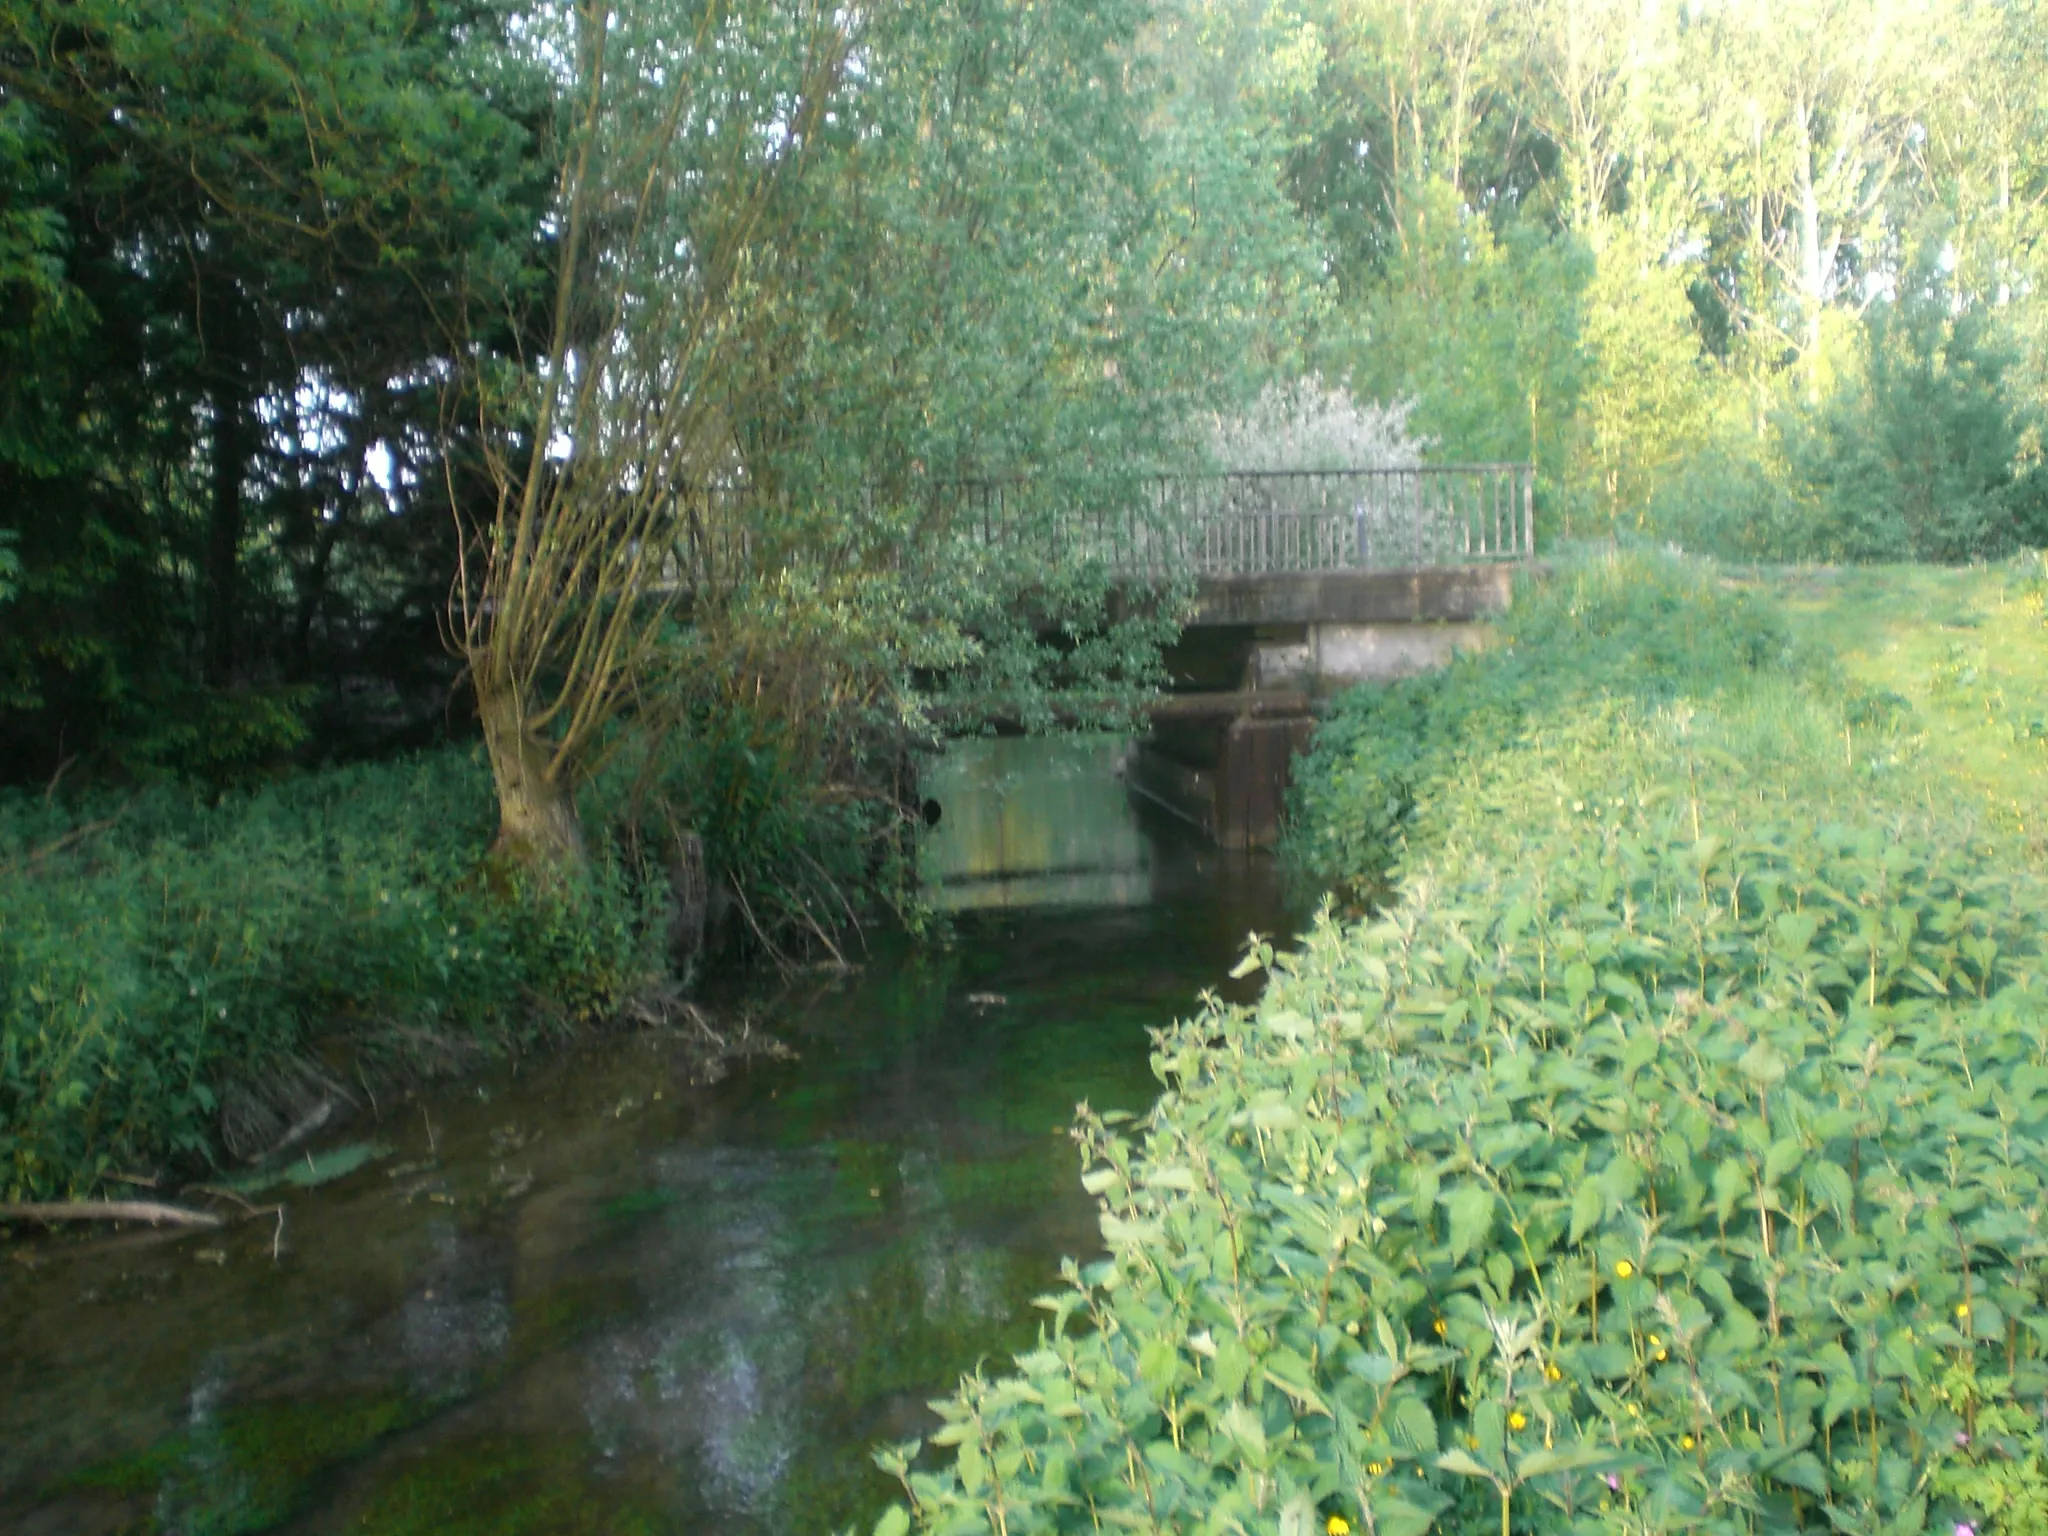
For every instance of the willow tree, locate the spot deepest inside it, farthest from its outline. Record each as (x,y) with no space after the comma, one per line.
(612,455)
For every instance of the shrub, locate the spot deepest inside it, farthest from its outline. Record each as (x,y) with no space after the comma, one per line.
(1667,1157)
(1307,424)
(1733,498)
(1926,450)
(178,974)
(1637,625)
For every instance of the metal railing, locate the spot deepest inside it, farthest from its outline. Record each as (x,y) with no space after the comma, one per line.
(1233,523)
(1265,522)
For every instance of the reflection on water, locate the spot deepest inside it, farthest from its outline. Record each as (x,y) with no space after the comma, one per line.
(594,1298)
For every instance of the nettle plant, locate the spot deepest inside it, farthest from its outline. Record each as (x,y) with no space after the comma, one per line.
(1681,1170)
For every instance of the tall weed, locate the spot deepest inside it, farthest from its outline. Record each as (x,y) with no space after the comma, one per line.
(177,975)
(1666,1155)
(1634,625)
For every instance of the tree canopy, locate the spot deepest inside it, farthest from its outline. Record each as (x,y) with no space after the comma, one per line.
(289,288)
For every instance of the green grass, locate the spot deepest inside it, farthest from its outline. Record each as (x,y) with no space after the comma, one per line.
(1966,648)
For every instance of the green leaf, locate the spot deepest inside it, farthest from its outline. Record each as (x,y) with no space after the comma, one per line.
(1588,1205)
(1781,1159)
(1471,1210)
(1802,1470)
(1844,1393)
(895,1521)
(1411,1424)
(1157,1363)
(1570,1458)
(1731,1183)
(1578,982)
(1242,1425)
(1463,1464)
(1233,1365)
(973,1465)
(1289,1372)
(1275,1117)
(1829,1183)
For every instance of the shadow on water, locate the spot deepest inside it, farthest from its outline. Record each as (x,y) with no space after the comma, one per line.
(598,1297)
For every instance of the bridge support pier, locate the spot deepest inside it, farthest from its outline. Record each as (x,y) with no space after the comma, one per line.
(1239,800)
(1258,657)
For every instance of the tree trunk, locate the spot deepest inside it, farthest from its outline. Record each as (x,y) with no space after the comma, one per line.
(537,821)
(224,533)
(1812,279)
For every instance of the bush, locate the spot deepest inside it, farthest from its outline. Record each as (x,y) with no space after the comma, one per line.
(174,972)
(1922,453)
(1733,499)
(1667,1155)
(1307,424)
(1636,625)
(1644,1181)
(808,840)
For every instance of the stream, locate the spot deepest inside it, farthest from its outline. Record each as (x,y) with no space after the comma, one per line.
(594,1295)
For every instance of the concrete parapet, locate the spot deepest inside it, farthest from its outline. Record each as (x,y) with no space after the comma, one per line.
(1460,594)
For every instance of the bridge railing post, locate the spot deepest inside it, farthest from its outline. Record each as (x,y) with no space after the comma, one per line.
(1528,479)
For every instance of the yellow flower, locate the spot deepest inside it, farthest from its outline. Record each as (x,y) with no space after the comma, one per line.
(1337,1525)
(1655,1341)
(1685,1442)
(1552,1373)
(1623,1269)
(1518,1420)
(1472,1442)
(1438,1325)
(1663,1354)
(1374,1468)
(1962,1309)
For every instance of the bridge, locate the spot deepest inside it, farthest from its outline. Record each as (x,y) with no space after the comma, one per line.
(1304,582)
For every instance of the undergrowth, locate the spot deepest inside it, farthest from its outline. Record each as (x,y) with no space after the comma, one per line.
(1642,628)
(182,978)
(178,977)
(1666,1152)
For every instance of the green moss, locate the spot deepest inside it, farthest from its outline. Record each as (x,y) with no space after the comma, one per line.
(251,1467)
(640,1202)
(502,1486)
(554,1317)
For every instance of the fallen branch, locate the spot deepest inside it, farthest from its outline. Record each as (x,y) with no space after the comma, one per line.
(58,845)
(155,1212)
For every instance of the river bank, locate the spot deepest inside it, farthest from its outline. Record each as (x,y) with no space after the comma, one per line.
(588,1293)
(1660,1152)
(191,980)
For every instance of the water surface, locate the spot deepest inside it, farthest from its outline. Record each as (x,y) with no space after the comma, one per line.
(594,1296)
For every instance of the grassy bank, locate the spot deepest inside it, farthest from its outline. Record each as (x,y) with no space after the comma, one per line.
(1664,1153)
(1965,649)
(182,979)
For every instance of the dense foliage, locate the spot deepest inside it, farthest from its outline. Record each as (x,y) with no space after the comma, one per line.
(1660,632)
(183,978)
(181,981)
(1665,248)
(1664,1155)
(282,278)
